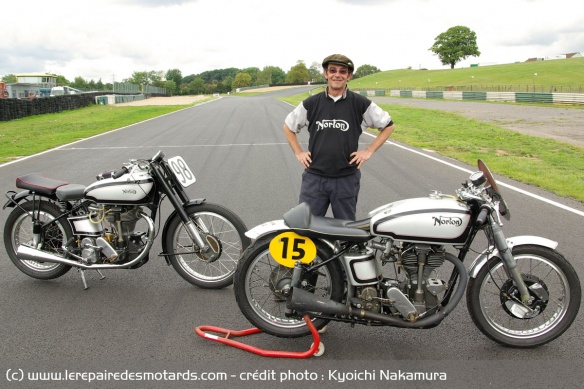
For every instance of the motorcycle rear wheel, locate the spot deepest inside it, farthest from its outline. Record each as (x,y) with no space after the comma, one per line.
(259,283)
(19,230)
(555,298)
(222,230)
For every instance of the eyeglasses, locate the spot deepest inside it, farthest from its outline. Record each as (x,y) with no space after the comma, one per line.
(341,71)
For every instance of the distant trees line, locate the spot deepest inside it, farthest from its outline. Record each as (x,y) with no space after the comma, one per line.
(212,81)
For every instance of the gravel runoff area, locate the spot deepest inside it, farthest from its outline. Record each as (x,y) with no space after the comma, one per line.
(562,124)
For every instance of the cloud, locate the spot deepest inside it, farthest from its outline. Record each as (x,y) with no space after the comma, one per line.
(123,36)
(153,3)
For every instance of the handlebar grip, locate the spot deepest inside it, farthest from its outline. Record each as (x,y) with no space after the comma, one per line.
(119,173)
(482,218)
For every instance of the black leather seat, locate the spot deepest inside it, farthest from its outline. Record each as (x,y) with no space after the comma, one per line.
(302,221)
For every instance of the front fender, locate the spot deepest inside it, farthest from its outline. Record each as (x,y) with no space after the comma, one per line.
(482,259)
(266,228)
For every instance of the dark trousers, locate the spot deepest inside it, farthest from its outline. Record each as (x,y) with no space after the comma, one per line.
(340,193)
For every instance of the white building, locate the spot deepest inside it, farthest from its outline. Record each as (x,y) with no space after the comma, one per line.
(32,85)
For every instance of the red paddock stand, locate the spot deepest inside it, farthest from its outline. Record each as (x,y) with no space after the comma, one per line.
(317,348)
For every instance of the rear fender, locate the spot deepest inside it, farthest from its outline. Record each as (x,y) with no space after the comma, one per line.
(482,259)
(266,228)
(15,198)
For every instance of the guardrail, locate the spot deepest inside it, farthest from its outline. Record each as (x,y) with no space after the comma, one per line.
(523,97)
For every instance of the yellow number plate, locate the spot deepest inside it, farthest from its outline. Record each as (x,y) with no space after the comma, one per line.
(289,247)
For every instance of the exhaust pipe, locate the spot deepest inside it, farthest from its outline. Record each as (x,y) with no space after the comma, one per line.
(27,253)
(302,301)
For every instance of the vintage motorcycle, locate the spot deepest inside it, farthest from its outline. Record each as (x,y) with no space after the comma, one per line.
(55,226)
(520,291)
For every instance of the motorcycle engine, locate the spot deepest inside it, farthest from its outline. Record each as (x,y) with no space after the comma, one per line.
(119,241)
(420,262)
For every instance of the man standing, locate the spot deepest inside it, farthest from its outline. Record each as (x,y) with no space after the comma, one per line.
(335,120)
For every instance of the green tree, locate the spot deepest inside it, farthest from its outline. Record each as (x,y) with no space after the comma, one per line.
(298,74)
(137,78)
(366,70)
(176,76)
(241,80)
(316,72)
(456,44)
(10,79)
(265,76)
(170,86)
(253,72)
(196,86)
(278,75)
(79,83)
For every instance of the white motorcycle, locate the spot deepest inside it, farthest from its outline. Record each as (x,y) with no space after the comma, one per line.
(395,269)
(55,226)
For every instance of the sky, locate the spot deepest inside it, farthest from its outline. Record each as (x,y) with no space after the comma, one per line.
(108,40)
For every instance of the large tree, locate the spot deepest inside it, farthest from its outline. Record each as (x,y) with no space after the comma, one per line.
(366,70)
(298,74)
(241,80)
(456,44)
(176,76)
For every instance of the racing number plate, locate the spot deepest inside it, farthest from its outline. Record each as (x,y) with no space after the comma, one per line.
(289,247)
(181,171)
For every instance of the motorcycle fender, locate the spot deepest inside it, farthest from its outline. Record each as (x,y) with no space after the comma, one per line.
(266,228)
(482,259)
(15,199)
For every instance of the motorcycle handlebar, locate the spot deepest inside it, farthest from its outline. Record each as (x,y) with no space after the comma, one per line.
(482,218)
(120,172)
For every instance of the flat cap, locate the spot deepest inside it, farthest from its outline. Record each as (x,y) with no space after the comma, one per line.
(339,59)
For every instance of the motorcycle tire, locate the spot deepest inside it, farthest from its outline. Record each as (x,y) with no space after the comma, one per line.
(18,230)
(223,230)
(260,280)
(494,302)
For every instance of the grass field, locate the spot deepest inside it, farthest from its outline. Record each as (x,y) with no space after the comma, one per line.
(553,73)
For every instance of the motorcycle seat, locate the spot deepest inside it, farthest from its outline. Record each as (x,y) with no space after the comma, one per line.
(301,220)
(39,184)
(70,192)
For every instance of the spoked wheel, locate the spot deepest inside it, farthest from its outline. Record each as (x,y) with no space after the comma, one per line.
(19,230)
(495,304)
(262,286)
(224,234)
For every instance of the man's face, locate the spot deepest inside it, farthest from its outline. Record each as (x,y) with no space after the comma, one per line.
(337,76)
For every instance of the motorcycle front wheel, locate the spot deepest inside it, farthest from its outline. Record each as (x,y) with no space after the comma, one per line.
(261,285)
(494,303)
(19,230)
(222,230)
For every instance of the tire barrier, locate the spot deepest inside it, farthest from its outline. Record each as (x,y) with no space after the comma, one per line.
(11,109)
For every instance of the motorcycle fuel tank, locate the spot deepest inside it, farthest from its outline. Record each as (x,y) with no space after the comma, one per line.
(435,219)
(131,188)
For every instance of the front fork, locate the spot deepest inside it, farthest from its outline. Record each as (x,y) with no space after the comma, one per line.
(196,236)
(509,261)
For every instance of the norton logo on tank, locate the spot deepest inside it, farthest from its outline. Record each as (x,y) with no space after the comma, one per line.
(129,191)
(332,125)
(447,221)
